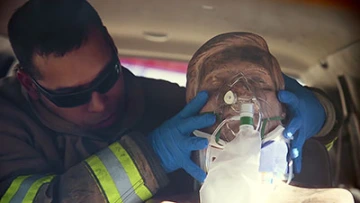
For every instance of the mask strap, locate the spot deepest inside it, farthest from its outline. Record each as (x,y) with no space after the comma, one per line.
(217,136)
(264,122)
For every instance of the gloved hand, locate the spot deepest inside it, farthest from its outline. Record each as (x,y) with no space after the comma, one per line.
(172,141)
(306,113)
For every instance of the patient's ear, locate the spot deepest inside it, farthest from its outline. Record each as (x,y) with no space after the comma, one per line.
(191,83)
(26,81)
(277,74)
(190,90)
(284,115)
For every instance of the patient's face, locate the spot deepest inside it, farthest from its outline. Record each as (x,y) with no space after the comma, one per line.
(240,63)
(246,80)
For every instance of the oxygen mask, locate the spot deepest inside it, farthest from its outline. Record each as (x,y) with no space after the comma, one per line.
(239,155)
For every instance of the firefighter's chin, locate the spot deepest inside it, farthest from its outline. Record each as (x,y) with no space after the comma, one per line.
(106,122)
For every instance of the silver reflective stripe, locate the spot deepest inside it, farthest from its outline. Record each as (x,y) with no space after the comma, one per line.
(24,188)
(119,176)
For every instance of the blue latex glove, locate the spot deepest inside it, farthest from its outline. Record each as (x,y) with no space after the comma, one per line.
(172,141)
(306,113)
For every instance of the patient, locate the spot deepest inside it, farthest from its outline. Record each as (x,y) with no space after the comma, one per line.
(240,63)
(235,68)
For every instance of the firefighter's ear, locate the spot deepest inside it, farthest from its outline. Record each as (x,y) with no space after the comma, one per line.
(28,84)
(110,40)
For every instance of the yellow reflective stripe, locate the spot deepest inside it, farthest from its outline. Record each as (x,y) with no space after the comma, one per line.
(329,145)
(25,188)
(131,170)
(30,195)
(14,187)
(106,182)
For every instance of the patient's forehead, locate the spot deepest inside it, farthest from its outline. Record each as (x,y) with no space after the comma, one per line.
(235,67)
(232,60)
(228,54)
(256,75)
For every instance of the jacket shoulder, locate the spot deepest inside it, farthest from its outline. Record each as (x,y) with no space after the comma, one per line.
(162,88)
(16,116)
(11,93)
(169,97)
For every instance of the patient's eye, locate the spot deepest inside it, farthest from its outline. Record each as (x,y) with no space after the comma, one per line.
(213,82)
(261,84)
(261,81)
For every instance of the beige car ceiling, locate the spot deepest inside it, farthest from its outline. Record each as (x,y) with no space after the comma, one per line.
(301,34)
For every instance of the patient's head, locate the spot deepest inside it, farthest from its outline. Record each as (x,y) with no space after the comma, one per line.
(240,62)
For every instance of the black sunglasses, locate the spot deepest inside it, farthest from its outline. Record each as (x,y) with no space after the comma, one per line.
(102,84)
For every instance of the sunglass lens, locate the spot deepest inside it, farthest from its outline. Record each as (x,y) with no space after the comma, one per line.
(72,101)
(108,82)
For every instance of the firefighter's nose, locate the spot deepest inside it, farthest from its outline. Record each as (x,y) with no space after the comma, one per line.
(97,102)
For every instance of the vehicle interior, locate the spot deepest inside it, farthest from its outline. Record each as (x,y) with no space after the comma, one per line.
(316,42)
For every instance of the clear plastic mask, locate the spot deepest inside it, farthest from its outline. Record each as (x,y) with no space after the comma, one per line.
(229,101)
